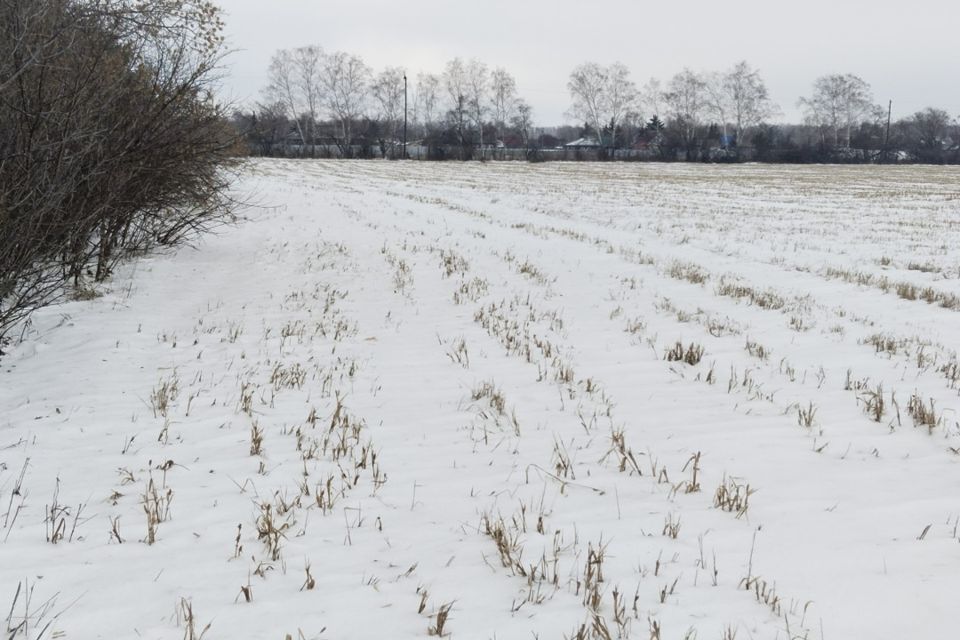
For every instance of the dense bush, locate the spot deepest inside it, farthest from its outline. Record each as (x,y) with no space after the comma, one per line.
(110,139)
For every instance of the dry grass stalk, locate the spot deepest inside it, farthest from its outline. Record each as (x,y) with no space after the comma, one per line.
(805,416)
(186,618)
(691,355)
(438,628)
(733,496)
(156,506)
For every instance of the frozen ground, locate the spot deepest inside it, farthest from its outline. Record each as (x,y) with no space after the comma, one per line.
(439,399)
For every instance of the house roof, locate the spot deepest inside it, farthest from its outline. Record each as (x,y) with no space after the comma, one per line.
(583,142)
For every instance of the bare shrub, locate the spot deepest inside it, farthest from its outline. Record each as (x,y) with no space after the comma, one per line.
(111,143)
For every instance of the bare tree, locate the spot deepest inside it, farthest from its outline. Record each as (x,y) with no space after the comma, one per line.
(651,97)
(503,94)
(264,127)
(622,96)
(522,120)
(478,83)
(346,84)
(602,96)
(931,127)
(587,86)
(839,102)
(632,126)
(307,62)
(686,100)
(927,134)
(388,93)
(456,83)
(426,100)
(282,88)
(717,104)
(749,101)
(294,80)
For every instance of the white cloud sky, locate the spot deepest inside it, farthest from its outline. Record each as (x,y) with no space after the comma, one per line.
(907,51)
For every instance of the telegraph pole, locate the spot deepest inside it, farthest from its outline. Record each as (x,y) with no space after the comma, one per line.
(886,140)
(404,115)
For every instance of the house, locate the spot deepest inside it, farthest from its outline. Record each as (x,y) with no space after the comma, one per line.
(512,141)
(548,141)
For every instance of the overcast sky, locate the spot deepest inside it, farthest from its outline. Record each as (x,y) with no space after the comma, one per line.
(907,51)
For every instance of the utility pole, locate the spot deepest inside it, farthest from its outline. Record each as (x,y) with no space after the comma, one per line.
(886,140)
(404,115)
(480,127)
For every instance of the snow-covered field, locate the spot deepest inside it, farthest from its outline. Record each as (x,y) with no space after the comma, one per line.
(504,401)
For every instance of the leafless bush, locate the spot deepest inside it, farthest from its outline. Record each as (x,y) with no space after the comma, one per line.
(111,143)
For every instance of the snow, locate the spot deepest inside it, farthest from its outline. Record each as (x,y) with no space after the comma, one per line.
(490,332)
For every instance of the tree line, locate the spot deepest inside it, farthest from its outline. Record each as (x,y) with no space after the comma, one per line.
(335,101)
(111,142)
(335,104)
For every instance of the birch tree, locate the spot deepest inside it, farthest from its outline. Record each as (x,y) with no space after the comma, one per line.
(478,83)
(602,96)
(748,99)
(839,102)
(346,79)
(426,100)
(587,86)
(282,87)
(307,62)
(388,93)
(651,97)
(716,99)
(685,100)
(295,81)
(503,97)
(457,89)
